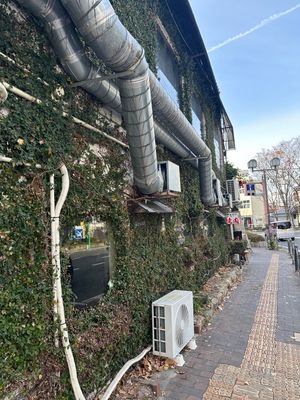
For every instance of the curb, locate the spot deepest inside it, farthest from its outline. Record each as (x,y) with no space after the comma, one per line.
(216,297)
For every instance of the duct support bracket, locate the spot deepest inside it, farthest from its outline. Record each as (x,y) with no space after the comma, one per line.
(105,77)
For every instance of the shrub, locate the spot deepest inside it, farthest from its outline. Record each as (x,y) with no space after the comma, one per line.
(254,237)
(237,246)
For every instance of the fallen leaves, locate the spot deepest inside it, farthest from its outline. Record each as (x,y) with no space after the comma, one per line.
(130,385)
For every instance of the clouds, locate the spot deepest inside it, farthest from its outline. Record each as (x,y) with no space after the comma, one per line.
(260,25)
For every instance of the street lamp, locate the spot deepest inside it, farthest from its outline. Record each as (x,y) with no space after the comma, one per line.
(274,163)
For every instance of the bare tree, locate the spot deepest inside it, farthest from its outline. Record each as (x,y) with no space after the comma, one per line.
(283,182)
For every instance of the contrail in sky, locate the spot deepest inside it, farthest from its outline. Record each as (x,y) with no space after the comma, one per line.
(255,28)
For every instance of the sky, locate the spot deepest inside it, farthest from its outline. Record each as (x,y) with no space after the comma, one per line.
(254,50)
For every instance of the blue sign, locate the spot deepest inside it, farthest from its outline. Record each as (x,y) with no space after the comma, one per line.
(78,233)
(250,189)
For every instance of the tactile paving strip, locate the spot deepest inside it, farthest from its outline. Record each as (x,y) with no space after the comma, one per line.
(270,370)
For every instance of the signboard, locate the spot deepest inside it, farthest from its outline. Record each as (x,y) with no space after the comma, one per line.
(250,189)
(79,232)
(233,218)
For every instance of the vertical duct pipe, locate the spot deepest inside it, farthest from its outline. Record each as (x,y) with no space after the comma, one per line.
(114,45)
(102,30)
(77,65)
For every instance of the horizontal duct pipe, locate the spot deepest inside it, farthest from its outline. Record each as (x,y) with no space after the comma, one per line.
(102,30)
(166,110)
(163,106)
(176,147)
(69,50)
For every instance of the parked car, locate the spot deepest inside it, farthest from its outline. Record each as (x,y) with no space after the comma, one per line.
(282,230)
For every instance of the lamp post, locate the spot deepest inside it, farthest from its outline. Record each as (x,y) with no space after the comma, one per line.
(274,163)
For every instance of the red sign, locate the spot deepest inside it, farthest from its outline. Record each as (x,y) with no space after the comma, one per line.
(232,218)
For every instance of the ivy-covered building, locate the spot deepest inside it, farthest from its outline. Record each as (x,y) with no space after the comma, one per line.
(136,122)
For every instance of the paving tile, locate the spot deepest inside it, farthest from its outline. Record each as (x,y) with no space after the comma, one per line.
(251,349)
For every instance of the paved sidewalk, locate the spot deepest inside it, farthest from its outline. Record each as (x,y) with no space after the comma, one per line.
(250,351)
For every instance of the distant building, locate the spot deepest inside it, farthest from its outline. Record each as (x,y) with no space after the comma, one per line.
(252,208)
(295,211)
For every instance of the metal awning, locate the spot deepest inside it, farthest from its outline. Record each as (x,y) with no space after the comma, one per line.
(220,214)
(227,131)
(151,206)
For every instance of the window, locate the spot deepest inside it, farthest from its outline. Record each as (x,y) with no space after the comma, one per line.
(245,204)
(196,114)
(87,245)
(217,152)
(282,225)
(167,69)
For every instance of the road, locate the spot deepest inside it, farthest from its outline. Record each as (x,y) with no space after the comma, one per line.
(284,243)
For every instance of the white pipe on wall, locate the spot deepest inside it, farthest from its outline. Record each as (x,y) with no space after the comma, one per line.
(57,288)
(3,93)
(32,99)
(53,255)
(122,371)
(58,306)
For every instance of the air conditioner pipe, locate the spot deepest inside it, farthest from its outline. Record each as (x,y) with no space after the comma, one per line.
(3,93)
(59,312)
(32,99)
(121,373)
(162,105)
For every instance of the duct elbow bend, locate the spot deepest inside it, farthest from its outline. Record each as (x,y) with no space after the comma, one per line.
(208,200)
(147,188)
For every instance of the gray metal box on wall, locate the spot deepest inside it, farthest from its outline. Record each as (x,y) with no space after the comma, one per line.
(233,188)
(171,176)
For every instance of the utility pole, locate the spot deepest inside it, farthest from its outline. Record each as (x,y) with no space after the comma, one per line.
(275,163)
(267,201)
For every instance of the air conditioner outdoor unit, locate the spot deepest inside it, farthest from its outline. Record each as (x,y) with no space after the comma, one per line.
(172,323)
(171,176)
(233,188)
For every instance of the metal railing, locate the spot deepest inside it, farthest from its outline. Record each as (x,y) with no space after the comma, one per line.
(294,253)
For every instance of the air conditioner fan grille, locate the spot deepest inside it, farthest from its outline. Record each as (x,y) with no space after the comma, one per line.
(182,323)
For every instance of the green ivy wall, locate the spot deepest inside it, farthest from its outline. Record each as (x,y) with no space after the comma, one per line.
(148,262)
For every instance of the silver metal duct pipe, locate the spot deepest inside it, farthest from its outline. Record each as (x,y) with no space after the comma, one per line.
(167,110)
(69,50)
(77,65)
(102,30)
(173,145)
